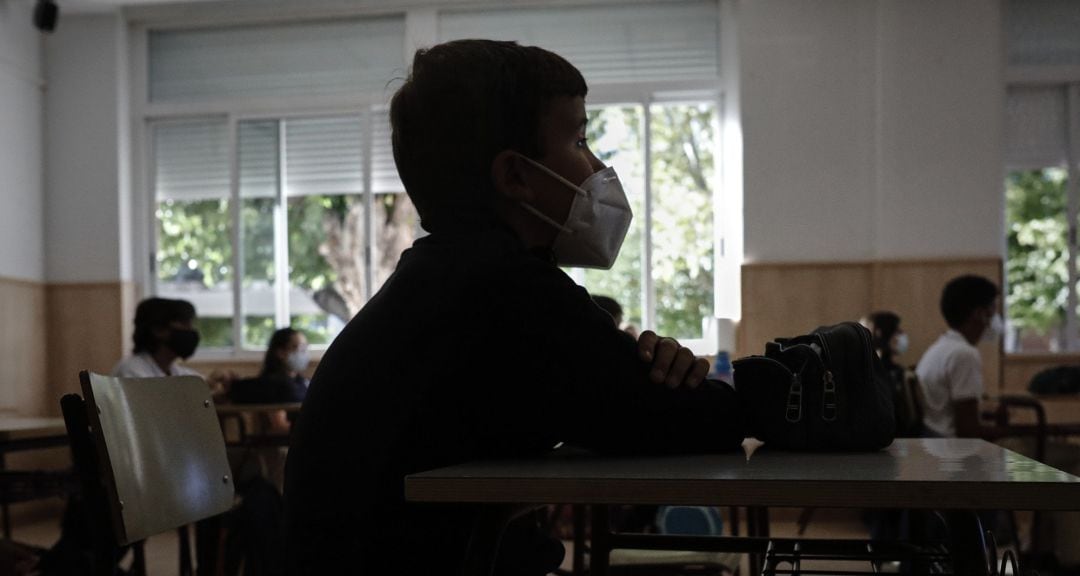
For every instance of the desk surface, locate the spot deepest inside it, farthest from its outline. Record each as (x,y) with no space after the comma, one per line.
(912,473)
(30,427)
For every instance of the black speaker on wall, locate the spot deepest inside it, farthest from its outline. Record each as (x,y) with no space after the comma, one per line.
(46,13)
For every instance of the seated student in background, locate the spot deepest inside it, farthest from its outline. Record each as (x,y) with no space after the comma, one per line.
(281,379)
(479,346)
(890,340)
(950,372)
(612,307)
(256,527)
(165,334)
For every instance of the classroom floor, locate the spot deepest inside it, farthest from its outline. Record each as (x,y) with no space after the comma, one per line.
(162,551)
(162,555)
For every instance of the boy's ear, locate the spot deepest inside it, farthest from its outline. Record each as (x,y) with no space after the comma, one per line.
(507,178)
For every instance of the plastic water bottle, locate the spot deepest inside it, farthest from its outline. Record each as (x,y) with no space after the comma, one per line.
(721,368)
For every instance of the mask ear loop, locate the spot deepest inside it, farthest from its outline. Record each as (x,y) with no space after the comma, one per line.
(577,189)
(532,209)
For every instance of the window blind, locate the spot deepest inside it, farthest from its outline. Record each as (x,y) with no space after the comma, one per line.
(310,59)
(1043,32)
(1035,127)
(609,44)
(191,160)
(259,158)
(324,156)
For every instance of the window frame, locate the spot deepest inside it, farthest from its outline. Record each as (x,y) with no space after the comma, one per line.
(421,29)
(646,100)
(1067,79)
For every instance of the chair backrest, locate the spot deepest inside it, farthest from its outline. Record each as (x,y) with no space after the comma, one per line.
(160,452)
(908,404)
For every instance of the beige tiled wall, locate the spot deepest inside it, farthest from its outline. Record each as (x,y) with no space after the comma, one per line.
(789,299)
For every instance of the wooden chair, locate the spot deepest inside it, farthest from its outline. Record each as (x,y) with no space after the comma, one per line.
(150,455)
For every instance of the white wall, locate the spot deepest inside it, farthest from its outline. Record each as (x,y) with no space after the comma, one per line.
(872,129)
(86,135)
(942,125)
(21,216)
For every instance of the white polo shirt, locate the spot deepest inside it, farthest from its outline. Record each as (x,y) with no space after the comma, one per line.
(142,365)
(949,371)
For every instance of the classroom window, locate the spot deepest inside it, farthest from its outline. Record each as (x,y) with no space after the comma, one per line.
(672,291)
(1041,216)
(316,238)
(276,201)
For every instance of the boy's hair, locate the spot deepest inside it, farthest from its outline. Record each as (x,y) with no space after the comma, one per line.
(609,305)
(464,102)
(154,313)
(963,295)
(885,325)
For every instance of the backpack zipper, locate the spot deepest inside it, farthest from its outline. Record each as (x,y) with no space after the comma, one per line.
(794,399)
(793,409)
(828,398)
(829,409)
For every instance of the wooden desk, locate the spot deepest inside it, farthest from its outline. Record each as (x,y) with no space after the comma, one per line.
(242,413)
(960,474)
(19,433)
(229,409)
(29,432)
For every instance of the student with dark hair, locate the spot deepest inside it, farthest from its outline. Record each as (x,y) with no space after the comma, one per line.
(478,345)
(256,527)
(890,340)
(281,379)
(950,372)
(164,334)
(611,306)
(286,358)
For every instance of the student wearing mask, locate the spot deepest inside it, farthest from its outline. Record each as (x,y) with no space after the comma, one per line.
(281,379)
(950,372)
(284,364)
(164,335)
(890,340)
(478,345)
(256,537)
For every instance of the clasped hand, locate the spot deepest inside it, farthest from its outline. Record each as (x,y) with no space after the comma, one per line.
(673,365)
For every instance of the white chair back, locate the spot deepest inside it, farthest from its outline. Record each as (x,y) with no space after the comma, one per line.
(161,452)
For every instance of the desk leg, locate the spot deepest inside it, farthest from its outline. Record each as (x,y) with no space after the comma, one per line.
(757,526)
(578,511)
(4,507)
(601,541)
(967,542)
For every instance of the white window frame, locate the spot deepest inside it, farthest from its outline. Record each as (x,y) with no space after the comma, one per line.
(1066,78)
(421,29)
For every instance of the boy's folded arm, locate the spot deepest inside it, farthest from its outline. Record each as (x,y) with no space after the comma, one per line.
(610,400)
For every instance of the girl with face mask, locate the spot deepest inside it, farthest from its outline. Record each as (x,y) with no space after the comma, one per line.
(281,379)
(284,365)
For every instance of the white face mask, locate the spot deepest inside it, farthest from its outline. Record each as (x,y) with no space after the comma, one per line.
(298,360)
(901,344)
(596,224)
(994,330)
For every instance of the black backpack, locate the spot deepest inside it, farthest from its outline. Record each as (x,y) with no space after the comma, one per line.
(826,390)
